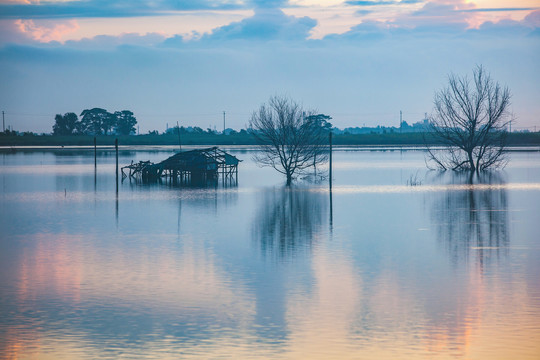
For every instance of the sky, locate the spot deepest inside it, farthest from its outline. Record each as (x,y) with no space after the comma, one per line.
(168,61)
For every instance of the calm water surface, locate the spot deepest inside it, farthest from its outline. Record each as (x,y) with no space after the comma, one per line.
(375,269)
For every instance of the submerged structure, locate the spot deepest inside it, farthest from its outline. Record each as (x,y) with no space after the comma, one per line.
(188,167)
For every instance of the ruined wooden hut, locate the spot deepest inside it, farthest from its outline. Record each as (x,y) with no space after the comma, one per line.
(194,166)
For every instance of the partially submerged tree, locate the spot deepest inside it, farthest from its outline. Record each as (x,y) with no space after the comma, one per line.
(289,141)
(65,124)
(470,121)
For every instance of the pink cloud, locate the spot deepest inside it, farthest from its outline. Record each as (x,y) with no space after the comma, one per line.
(438,13)
(19,1)
(47,31)
(533,19)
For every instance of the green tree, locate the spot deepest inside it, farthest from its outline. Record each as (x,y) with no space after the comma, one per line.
(125,122)
(321,120)
(96,121)
(322,127)
(65,124)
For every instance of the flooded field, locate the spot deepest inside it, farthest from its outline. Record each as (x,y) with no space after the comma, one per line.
(395,262)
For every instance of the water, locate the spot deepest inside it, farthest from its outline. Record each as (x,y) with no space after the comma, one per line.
(376,269)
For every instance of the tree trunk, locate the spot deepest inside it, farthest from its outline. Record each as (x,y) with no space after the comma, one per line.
(289,179)
(471,160)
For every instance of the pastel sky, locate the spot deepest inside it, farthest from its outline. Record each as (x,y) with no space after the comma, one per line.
(360,62)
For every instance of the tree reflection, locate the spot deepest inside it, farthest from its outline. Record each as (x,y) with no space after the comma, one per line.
(289,220)
(472,216)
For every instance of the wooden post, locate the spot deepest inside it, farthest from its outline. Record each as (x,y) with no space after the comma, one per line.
(330,167)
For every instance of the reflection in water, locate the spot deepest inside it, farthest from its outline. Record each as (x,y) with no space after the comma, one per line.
(473,220)
(68,300)
(190,182)
(175,277)
(288,219)
(331,210)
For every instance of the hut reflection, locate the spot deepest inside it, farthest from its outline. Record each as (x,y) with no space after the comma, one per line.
(289,220)
(474,220)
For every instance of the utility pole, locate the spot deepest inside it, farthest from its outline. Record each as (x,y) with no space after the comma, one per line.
(3,123)
(330,156)
(179,141)
(223,122)
(400,120)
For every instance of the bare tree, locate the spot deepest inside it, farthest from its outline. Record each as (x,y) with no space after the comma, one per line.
(290,140)
(470,120)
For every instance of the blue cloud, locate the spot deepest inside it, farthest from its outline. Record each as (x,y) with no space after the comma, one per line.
(269,3)
(366,31)
(106,8)
(268,24)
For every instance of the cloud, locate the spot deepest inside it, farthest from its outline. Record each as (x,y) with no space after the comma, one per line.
(443,8)
(533,19)
(269,3)
(111,42)
(46,31)
(440,19)
(366,31)
(107,8)
(499,9)
(381,2)
(267,24)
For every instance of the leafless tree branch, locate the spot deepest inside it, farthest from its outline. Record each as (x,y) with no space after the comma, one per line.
(290,140)
(470,121)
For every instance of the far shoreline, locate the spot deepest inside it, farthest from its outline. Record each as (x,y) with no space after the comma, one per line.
(394,139)
(174,148)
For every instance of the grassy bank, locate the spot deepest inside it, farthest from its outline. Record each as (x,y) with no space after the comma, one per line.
(514,139)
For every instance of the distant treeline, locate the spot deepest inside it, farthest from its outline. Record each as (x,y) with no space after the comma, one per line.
(242,137)
(95,121)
